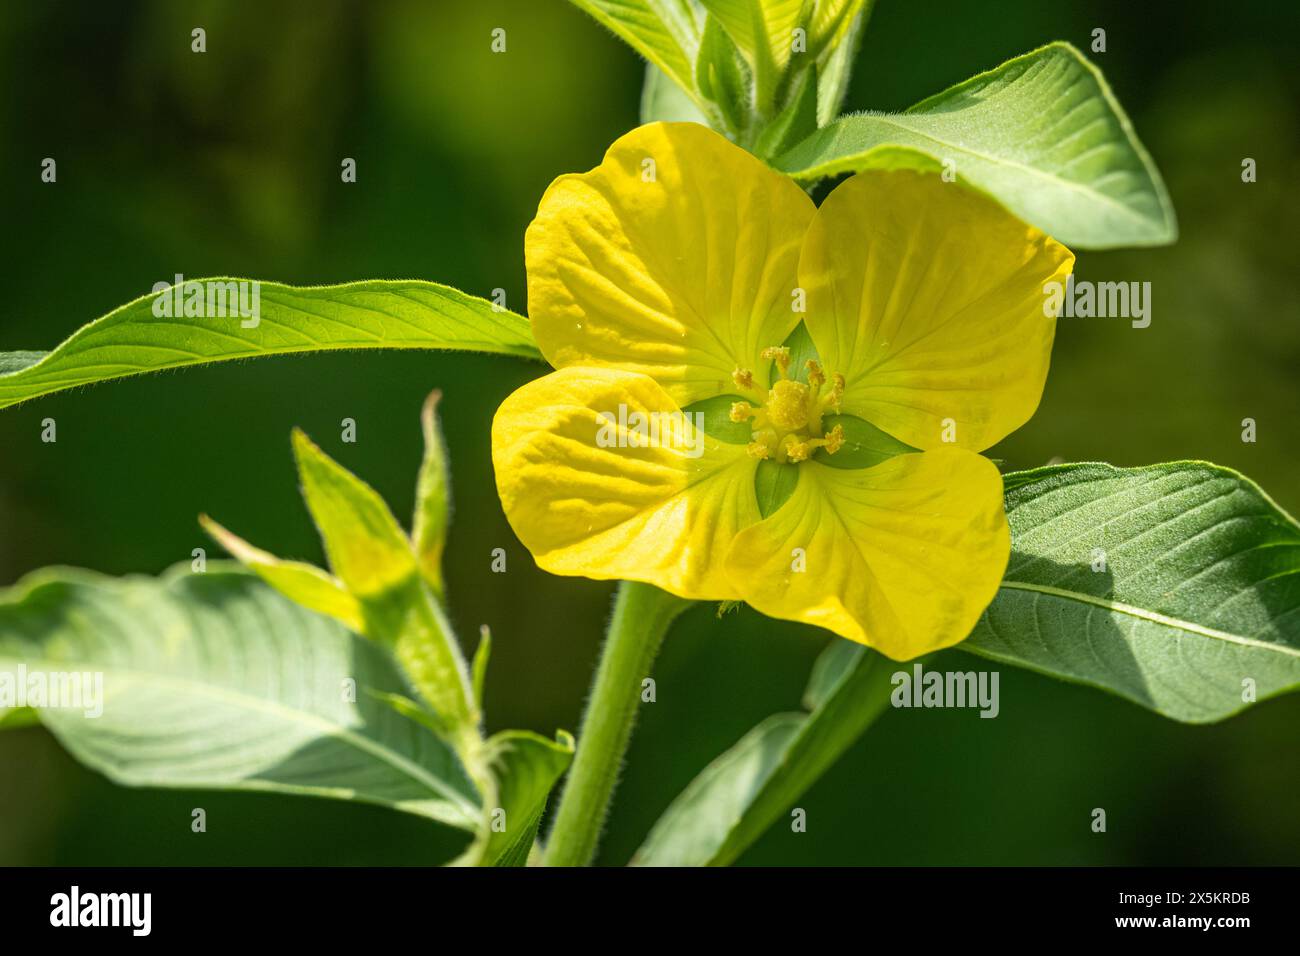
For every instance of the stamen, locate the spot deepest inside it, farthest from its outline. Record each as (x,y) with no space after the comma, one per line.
(816,377)
(802,450)
(837,393)
(787,425)
(797,450)
(781,355)
(763,444)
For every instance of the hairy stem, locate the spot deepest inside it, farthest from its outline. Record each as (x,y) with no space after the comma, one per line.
(641,617)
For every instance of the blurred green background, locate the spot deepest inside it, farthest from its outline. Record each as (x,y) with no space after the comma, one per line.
(227,163)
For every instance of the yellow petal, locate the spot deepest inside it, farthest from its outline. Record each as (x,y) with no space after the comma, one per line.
(586,499)
(903,556)
(929,298)
(675,257)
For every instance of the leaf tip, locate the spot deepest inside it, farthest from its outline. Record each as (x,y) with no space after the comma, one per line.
(430,410)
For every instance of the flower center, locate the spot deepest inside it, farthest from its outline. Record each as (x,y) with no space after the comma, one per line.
(788,426)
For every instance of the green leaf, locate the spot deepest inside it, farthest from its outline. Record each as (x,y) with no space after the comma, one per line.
(721,76)
(1172,585)
(1042,133)
(478,671)
(432,497)
(665,32)
(838,26)
(762,29)
(377,564)
(213,680)
(833,19)
(525,767)
(133,340)
(797,120)
(302,583)
(744,791)
(829,670)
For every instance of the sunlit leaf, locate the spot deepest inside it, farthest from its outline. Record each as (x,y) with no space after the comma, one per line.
(1176,586)
(132,340)
(1042,133)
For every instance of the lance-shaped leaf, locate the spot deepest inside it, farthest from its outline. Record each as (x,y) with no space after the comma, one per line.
(212,680)
(135,338)
(832,20)
(838,26)
(478,670)
(1042,133)
(763,30)
(1175,585)
(795,121)
(303,583)
(722,77)
(432,497)
(744,791)
(374,559)
(665,32)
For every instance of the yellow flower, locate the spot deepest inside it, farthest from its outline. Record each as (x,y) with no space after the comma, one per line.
(696,437)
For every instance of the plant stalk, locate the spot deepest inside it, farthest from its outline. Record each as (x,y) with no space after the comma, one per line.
(636,631)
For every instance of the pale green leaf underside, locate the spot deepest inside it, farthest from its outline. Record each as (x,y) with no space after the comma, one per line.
(744,791)
(1200,590)
(379,314)
(1042,133)
(214,681)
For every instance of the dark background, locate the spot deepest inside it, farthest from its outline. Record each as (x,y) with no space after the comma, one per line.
(227,163)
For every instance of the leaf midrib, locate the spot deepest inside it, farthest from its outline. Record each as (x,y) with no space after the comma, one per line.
(1070,184)
(1154,617)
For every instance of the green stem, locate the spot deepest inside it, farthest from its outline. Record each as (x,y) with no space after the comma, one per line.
(641,617)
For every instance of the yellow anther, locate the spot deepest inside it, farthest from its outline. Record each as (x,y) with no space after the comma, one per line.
(788,425)
(796,450)
(779,354)
(764,443)
(837,393)
(743,377)
(816,377)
